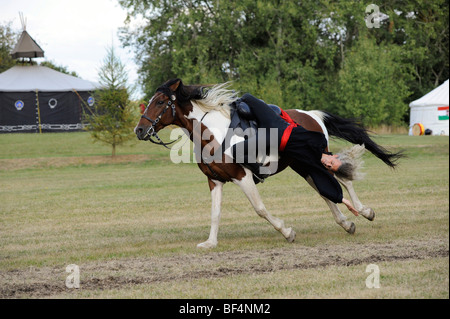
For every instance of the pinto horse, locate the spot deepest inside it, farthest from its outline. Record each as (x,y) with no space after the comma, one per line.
(195,107)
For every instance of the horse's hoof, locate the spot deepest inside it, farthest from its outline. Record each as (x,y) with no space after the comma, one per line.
(291,236)
(368,213)
(371,216)
(352,228)
(207,244)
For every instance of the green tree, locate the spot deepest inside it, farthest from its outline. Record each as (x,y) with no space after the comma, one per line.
(59,68)
(8,38)
(298,54)
(266,47)
(112,119)
(371,84)
(421,29)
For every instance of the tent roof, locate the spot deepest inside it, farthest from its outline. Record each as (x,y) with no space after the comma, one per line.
(26,47)
(35,77)
(437,97)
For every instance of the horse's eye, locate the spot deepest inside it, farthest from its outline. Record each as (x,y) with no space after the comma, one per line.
(160,102)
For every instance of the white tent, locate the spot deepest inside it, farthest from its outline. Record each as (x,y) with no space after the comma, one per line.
(431,112)
(34,77)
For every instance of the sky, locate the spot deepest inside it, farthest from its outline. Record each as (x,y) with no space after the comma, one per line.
(74,34)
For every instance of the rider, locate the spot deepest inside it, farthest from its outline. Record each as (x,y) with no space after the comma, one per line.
(306,148)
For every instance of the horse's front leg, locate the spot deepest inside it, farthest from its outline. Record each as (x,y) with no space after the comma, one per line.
(249,188)
(337,214)
(365,211)
(216,189)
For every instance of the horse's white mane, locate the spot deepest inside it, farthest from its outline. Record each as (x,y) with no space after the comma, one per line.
(218,98)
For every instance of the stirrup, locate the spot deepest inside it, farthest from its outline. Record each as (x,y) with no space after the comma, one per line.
(258,178)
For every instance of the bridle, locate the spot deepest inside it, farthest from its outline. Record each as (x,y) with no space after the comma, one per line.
(151,132)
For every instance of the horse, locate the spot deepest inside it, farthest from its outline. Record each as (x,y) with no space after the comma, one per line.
(206,109)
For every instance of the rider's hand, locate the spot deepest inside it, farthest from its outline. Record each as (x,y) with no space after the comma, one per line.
(350,206)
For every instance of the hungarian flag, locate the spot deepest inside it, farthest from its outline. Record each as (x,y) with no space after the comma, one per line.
(443,113)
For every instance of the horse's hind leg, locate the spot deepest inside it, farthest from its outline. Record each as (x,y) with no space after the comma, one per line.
(365,211)
(337,214)
(249,188)
(340,218)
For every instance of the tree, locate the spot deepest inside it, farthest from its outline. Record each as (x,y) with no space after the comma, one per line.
(112,119)
(371,84)
(421,29)
(297,54)
(59,68)
(265,47)
(8,38)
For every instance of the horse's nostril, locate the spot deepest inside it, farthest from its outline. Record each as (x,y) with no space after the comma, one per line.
(139,132)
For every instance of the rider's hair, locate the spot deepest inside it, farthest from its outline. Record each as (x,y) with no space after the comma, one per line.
(352,162)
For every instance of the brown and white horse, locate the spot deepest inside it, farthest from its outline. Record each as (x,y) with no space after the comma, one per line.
(193,108)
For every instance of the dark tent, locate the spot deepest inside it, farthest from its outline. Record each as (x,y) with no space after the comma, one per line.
(38,99)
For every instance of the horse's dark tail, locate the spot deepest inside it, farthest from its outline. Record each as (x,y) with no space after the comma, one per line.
(353,132)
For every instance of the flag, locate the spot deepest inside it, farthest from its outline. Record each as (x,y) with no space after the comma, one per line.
(443,113)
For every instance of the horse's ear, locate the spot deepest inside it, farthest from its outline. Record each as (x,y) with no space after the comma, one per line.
(175,86)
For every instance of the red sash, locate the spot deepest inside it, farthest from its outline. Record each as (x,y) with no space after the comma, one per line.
(287,132)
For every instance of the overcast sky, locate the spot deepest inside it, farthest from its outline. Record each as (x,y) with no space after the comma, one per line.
(74,34)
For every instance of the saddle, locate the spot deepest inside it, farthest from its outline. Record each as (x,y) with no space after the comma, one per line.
(243,112)
(243,120)
(242,117)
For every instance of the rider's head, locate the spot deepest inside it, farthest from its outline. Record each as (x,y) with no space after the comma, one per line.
(345,164)
(331,162)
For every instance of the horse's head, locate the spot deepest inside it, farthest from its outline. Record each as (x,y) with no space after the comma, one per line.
(160,111)
(167,106)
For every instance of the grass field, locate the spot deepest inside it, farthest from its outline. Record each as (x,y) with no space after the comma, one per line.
(131,223)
